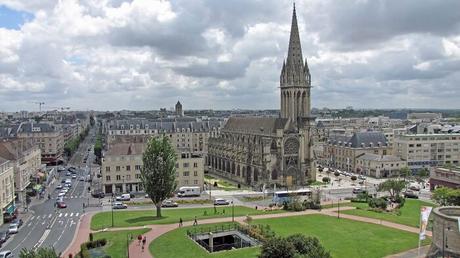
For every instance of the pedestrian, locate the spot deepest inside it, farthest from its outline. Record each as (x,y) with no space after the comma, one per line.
(139,238)
(195,223)
(144,240)
(180,222)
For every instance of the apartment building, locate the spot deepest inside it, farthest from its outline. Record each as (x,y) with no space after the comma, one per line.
(121,168)
(379,166)
(6,189)
(423,150)
(25,159)
(47,137)
(342,152)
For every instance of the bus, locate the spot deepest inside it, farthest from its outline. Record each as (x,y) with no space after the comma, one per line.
(281,197)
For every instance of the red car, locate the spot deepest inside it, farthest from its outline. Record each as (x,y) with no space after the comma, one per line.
(61,205)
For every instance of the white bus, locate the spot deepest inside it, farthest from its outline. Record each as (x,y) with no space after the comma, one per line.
(281,197)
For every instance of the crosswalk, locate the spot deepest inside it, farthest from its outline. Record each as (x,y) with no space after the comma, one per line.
(59,215)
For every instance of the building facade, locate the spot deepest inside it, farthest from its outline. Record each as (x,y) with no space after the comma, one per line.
(25,159)
(6,189)
(47,137)
(428,150)
(379,166)
(447,177)
(122,163)
(260,151)
(342,152)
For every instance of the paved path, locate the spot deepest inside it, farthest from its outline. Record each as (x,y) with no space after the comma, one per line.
(135,250)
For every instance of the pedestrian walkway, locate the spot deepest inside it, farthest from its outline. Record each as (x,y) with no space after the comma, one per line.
(135,250)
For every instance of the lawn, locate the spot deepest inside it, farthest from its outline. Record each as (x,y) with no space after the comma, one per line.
(146,217)
(343,238)
(346,238)
(176,244)
(117,241)
(410,212)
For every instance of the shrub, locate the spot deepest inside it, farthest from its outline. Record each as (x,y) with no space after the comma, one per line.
(277,247)
(379,203)
(400,201)
(353,178)
(326,179)
(336,173)
(308,247)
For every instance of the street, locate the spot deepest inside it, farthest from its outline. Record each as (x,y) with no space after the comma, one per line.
(45,225)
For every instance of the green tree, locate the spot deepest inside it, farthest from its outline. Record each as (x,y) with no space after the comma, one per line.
(277,247)
(158,173)
(422,174)
(393,187)
(308,247)
(445,196)
(326,180)
(42,252)
(405,172)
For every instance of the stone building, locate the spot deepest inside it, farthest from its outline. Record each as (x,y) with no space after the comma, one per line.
(122,163)
(179,111)
(446,233)
(379,166)
(447,177)
(271,150)
(6,189)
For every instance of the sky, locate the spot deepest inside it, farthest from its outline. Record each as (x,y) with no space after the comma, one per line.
(210,54)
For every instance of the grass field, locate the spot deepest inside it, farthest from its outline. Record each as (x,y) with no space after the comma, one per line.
(410,212)
(146,217)
(343,238)
(117,241)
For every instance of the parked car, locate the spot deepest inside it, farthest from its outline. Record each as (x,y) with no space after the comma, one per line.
(410,194)
(68,174)
(4,236)
(98,194)
(74,176)
(119,205)
(220,201)
(6,254)
(414,188)
(61,194)
(82,178)
(361,177)
(68,185)
(17,222)
(61,204)
(72,169)
(13,229)
(358,190)
(123,197)
(169,203)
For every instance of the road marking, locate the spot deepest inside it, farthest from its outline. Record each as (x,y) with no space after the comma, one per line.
(76,214)
(65,215)
(33,217)
(42,239)
(43,223)
(71,214)
(60,215)
(50,216)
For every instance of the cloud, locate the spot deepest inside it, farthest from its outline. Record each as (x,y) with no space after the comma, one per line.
(147,54)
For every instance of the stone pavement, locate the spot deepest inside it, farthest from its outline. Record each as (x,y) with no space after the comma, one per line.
(135,250)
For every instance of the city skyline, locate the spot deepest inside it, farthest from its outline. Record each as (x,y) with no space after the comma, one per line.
(144,55)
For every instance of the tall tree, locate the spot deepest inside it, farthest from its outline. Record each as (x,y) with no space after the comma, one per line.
(42,252)
(158,173)
(405,172)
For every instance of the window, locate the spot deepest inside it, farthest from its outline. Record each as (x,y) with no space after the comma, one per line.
(128,168)
(195,164)
(107,178)
(186,173)
(117,168)
(107,169)
(138,176)
(128,177)
(137,167)
(195,173)
(185,164)
(118,177)
(195,182)
(185,182)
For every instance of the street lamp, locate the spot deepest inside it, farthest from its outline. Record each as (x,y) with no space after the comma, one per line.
(112,210)
(233,212)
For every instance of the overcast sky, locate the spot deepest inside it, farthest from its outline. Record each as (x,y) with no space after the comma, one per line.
(213,54)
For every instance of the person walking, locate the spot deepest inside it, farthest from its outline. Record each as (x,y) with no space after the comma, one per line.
(144,240)
(180,222)
(139,238)
(195,223)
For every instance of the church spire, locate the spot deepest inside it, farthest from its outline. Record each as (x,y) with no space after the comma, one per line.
(295,50)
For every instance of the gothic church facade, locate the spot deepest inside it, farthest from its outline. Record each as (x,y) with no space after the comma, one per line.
(260,151)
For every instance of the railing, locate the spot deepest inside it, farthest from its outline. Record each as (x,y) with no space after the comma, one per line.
(216,229)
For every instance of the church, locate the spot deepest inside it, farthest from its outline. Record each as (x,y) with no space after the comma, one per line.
(258,151)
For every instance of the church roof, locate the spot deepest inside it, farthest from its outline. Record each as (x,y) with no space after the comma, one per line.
(295,50)
(360,140)
(255,124)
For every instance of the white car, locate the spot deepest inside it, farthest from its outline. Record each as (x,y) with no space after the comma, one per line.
(61,194)
(13,229)
(59,187)
(74,176)
(220,201)
(6,254)
(119,205)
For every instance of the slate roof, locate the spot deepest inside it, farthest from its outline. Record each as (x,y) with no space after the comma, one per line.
(360,140)
(255,124)
(14,149)
(126,149)
(44,128)
(169,125)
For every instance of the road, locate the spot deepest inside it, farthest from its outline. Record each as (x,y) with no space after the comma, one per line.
(48,226)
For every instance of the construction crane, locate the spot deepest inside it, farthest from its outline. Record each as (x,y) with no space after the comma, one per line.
(61,108)
(40,104)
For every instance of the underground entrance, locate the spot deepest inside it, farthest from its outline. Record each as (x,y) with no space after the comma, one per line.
(222,238)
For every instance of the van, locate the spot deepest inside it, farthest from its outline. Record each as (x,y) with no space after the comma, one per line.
(189,191)
(123,197)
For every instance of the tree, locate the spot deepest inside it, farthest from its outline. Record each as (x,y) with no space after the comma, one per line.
(422,174)
(277,247)
(308,247)
(353,178)
(326,180)
(445,196)
(42,252)
(336,174)
(393,187)
(405,172)
(158,173)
